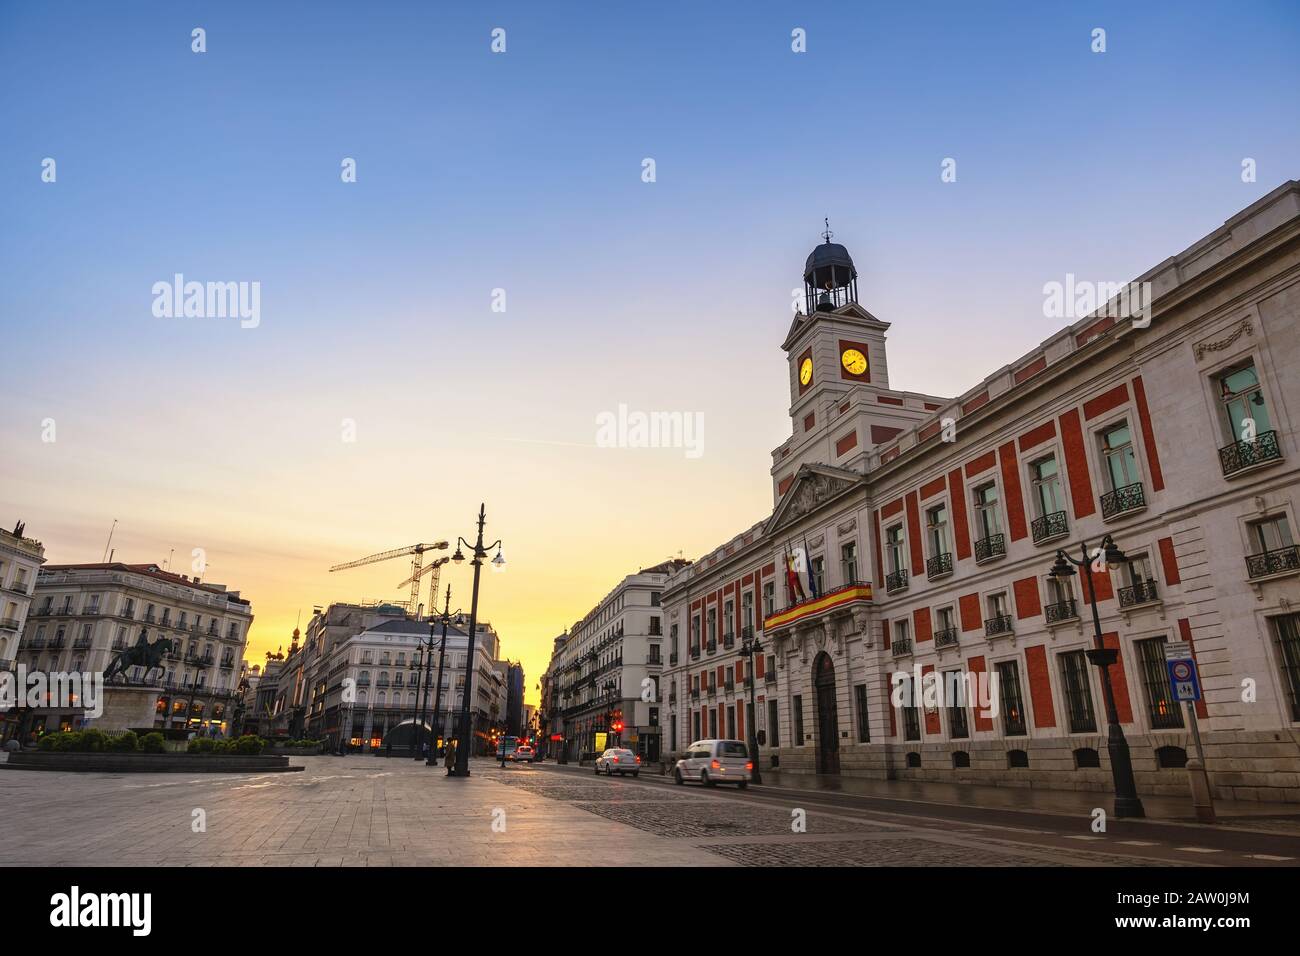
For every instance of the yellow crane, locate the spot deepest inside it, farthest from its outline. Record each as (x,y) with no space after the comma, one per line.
(434,571)
(417,562)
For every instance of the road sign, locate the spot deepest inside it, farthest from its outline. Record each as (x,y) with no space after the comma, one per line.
(1183,677)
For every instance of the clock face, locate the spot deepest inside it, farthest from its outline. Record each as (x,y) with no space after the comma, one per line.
(805,371)
(854,361)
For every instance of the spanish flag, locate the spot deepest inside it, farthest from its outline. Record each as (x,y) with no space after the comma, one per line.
(792,584)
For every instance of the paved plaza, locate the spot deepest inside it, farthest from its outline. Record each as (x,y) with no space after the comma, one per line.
(367,811)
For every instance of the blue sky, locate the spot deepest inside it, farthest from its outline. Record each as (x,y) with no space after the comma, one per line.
(522,171)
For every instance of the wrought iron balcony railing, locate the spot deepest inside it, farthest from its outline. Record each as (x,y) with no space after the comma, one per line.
(1123,500)
(728,641)
(695,693)
(1144,592)
(1065,610)
(728,685)
(1050,526)
(711,647)
(999,624)
(1243,454)
(896,581)
(946,637)
(1275,561)
(939,565)
(902,647)
(769,677)
(695,653)
(994,546)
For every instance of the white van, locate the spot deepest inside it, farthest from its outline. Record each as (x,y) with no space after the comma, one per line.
(712,762)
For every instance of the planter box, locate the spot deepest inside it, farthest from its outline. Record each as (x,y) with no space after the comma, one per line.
(307,751)
(149,763)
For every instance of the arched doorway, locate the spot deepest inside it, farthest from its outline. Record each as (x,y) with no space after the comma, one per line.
(828,726)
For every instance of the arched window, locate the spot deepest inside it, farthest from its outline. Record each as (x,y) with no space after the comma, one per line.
(1086,758)
(913,759)
(960,759)
(1017,758)
(1171,757)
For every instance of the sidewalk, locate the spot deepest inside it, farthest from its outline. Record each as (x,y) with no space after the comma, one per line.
(1019,798)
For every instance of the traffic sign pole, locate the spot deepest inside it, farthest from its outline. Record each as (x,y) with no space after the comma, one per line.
(1197,776)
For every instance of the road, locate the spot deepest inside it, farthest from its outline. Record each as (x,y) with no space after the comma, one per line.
(986,832)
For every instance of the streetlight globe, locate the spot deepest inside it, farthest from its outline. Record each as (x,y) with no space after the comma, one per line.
(499,561)
(1062,568)
(458,557)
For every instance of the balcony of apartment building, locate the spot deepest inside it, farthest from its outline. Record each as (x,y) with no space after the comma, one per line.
(8,623)
(1243,456)
(1273,562)
(728,640)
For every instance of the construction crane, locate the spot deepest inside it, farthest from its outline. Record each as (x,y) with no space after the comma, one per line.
(434,571)
(417,562)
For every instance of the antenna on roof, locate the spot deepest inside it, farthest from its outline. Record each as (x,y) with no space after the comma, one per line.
(110,540)
(170,555)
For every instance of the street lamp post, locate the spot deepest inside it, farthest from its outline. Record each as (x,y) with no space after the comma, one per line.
(423,698)
(465,735)
(751,645)
(442,656)
(1127,803)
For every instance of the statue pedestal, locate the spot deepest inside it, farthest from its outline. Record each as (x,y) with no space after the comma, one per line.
(127,708)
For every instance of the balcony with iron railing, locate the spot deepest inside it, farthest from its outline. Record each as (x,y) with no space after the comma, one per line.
(728,641)
(8,623)
(729,684)
(711,647)
(939,566)
(1275,561)
(998,625)
(57,643)
(81,643)
(836,600)
(902,647)
(695,693)
(896,581)
(1243,455)
(654,659)
(1123,500)
(993,546)
(37,643)
(1050,527)
(946,637)
(1143,592)
(769,677)
(1061,611)
(695,653)
(749,681)
(672,659)
(712,690)
(150,617)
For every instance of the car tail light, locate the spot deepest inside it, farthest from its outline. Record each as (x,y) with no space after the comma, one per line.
(715,765)
(638,758)
(749,765)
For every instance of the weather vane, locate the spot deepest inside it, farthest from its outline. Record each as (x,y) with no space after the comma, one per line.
(827,234)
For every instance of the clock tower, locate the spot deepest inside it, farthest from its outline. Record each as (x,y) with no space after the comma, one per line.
(834,344)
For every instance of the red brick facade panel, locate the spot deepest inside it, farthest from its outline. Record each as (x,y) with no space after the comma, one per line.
(932,724)
(960,525)
(922,626)
(1015,502)
(1028,603)
(888,400)
(981,464)
(784,486)
(968,606)
(1029,371)
(929,431)
(1104,402)
(1148,435)
(914,534)
(932,488)
(982,721)
(1040,686)
(1076,464)
(1036,436)
(883,433)
(1092,331)
(1169,561)
(969,406)
(846,443)
(1118,680)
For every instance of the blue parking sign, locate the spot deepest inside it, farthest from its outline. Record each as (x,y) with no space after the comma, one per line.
(1183,679)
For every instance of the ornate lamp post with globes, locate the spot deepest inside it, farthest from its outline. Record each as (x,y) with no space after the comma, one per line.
(1127,803)
(465,733)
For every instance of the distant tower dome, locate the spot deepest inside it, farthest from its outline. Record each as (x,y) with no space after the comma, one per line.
(830,279)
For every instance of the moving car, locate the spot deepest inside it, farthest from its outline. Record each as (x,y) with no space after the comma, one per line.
(524,754)
(712,762)
(619,761)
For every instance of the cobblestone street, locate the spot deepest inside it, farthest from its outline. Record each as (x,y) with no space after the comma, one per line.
(373,812)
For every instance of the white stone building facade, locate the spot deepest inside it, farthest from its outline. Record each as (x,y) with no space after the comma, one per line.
(931,524)
(82,615)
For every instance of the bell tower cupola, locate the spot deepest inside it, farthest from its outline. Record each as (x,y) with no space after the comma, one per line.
(829,277)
